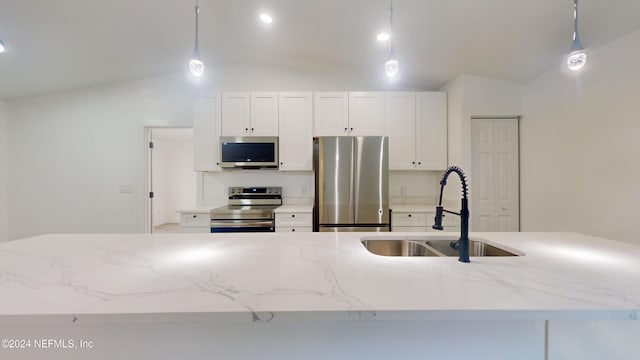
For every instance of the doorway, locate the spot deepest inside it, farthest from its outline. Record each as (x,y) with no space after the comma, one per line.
(171,179)
(495,200)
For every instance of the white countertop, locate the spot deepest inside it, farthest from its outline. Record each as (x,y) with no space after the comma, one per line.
(248,277)
(413,208)
(196,211)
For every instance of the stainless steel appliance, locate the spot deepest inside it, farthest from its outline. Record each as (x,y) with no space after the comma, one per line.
(249,152)
(352,183)
(250,209)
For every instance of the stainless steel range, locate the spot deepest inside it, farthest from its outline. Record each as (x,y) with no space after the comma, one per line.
(250,209)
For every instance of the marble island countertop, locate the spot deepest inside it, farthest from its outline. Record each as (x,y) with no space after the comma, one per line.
(279,276)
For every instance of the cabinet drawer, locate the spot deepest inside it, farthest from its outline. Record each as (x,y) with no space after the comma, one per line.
(195,219)
(294,220)
(283,229)
(408,219)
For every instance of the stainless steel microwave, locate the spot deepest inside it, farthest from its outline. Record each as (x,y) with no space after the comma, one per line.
(249,152)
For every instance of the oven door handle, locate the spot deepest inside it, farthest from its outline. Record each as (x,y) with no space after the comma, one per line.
(241,223)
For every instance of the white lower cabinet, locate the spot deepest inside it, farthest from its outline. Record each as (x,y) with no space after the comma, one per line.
(195,222)
(414,221)
(421,221)
(294,222)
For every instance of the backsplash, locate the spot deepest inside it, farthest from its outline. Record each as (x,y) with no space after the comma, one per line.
(297,186)
(413,187)
(405,187)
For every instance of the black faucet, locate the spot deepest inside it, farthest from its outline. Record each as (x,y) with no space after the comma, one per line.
(462,245)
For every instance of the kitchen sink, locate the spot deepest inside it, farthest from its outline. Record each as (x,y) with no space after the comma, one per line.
(476,248)
(398,248)
(432,246)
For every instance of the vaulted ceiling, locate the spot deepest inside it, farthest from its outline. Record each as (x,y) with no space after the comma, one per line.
(54,45)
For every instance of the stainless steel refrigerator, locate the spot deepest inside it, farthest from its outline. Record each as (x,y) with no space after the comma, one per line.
(352,183)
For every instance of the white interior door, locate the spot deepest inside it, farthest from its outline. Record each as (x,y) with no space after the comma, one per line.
(495,187)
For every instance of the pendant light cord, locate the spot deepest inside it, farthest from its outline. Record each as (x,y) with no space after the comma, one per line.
(390,27)
(575,19)
(196,50)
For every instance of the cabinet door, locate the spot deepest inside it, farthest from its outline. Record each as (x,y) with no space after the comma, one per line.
(431,130)
(206,133)
(264,114)
(330,114)
(295,137)
(366,113)
(400,119)
(236,112)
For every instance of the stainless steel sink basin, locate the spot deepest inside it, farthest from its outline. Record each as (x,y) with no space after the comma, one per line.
(476,248)
(398,248)
(430,246)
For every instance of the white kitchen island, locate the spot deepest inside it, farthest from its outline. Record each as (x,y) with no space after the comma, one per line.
(315,296)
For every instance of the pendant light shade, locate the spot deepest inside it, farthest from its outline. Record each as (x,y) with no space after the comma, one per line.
(577,56)
(196,65)
(392,66)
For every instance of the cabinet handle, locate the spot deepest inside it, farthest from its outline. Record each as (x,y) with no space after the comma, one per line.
(409,215)
(194,216)
(419,163)
(217,163)
(252,129)
(351,129)
(413,162)
(293,229)
(246,129)
(346,129)
(293,215)
(281,163)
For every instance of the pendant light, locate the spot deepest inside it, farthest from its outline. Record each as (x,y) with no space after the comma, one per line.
(577,56)
(392,66)
(1,46)
(196,66)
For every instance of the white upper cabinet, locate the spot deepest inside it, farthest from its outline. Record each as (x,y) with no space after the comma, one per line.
(206,133)
(264,114)
(250,114)
(431,130)
(416,124)
(331,114)
(236,114)
(400,118)
(366,113)
(295,131)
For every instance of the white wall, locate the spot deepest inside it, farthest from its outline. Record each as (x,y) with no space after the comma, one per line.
(579,146)
(4,147)
(473,96)
(70,152)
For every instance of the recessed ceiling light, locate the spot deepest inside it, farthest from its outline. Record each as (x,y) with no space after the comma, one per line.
(382,37)
(266,18)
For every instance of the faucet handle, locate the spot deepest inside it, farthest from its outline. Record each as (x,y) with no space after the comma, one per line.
(438,219)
